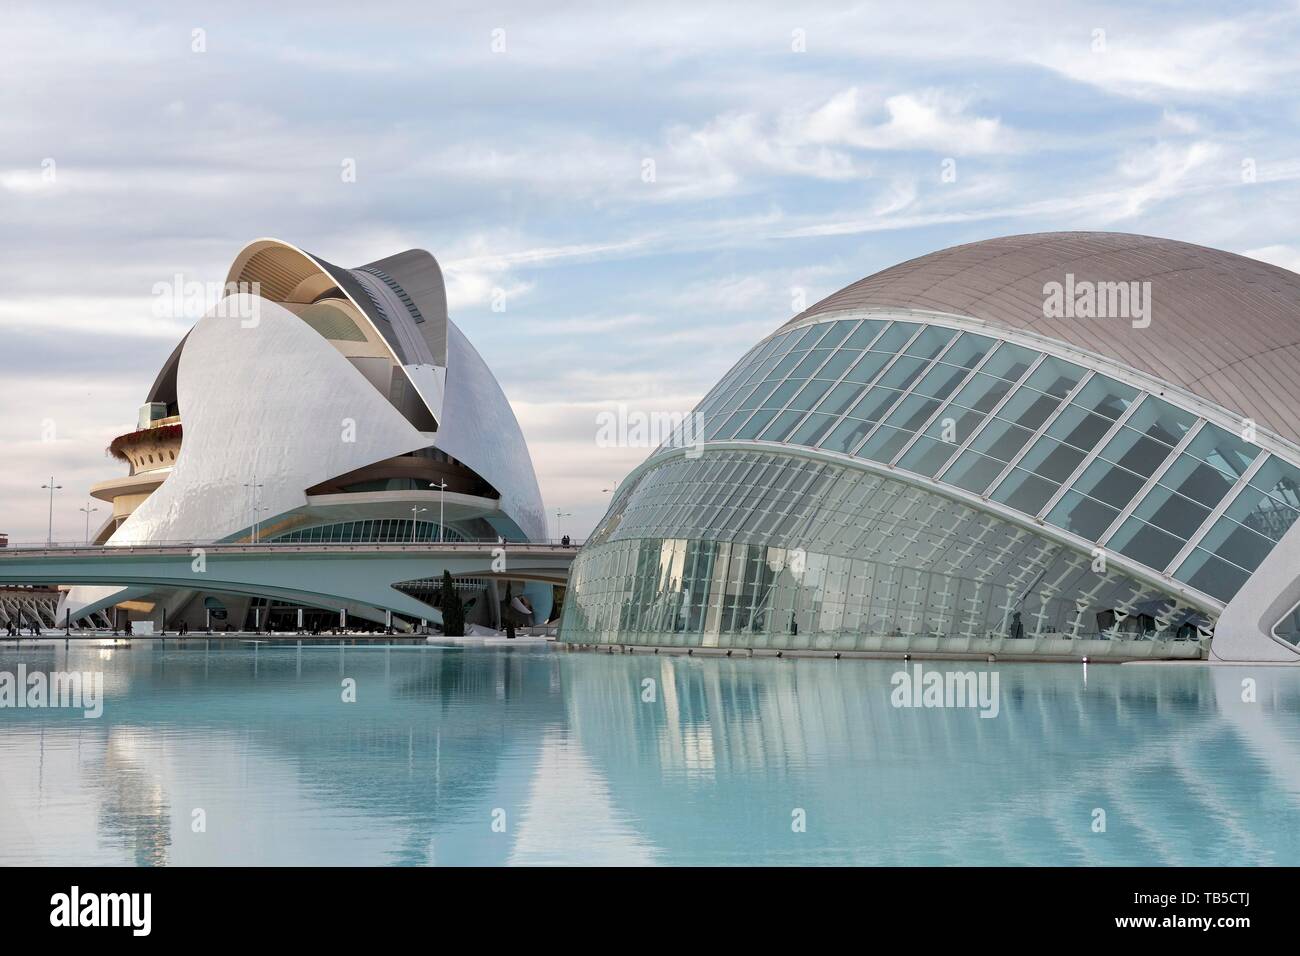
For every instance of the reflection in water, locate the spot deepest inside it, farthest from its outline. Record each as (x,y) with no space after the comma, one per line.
(642,759)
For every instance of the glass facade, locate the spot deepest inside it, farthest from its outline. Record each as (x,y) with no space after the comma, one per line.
(767,549)
(1051,439)
(394,530)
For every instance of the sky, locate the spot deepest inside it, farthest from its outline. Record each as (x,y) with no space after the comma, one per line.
(624,197)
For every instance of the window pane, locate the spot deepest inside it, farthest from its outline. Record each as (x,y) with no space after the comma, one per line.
(1261,513)
(1145,544)
(836,334)
(867,368)
(1024,491)
(903,372)
(912,412)
(1222,449)
(1135,451)
(1280,480)
(1161,421)
(927,456)
(1081,515)
(1028,407)
(1173,513)
(841,397)
(837,365)
(967,351)
(1210,574)
(1055,377)
(1197,480)
(874,404)
(1232,542)
(982,392)
(1105,396)
(809,394)
(1051,460)
(781,426)
(940,381)
(1109,483)
(755,425)
(1010,361)
(885,444)
(846,435)
(973,472)
(811,431)
(893,337)
(1079,428)
(962,421)
(1001,440)
(864,333)
(930,342)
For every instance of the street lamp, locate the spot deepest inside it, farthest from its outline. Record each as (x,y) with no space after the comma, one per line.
(88,509)
(442,497)
(49,537)
(415,510)
(257,502)
(558,515)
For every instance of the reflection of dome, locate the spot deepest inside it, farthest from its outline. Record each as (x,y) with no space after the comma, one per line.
(937,458)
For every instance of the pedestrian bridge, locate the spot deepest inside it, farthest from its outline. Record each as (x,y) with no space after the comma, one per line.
(319,575)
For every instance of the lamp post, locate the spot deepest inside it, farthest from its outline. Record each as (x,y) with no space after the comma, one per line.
(558,515)
(88,509)
(257,502)
(49,537)
(415,510)
(442,497)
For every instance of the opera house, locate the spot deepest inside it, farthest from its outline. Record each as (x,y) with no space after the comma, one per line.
(1059,445)
(318,404)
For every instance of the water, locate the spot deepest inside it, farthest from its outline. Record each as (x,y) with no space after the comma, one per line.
(563,754)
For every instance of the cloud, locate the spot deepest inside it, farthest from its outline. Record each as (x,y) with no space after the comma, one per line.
(931,120)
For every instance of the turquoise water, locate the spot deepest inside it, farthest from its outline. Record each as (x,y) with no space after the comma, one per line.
(563,753)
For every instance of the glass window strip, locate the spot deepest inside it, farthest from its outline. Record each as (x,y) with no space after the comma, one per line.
(1041,430)
(947,402)
(990,415)
(1151,482)
(1216,514)
(1092,455)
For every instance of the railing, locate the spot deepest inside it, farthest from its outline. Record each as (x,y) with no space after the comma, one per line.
(459,545)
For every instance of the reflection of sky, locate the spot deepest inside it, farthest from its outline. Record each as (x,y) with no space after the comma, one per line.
(587,771)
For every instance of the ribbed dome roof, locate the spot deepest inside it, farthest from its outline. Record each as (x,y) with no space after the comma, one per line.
(1223,326)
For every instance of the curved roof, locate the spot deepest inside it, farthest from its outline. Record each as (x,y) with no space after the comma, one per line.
(1223,326)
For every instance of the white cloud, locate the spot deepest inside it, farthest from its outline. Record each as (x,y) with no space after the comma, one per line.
(931,120)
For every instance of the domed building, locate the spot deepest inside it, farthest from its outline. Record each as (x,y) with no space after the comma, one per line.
(316,404)
(1058,445)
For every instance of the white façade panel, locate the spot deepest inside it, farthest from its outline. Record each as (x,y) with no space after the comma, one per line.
(274,400)
(479,428)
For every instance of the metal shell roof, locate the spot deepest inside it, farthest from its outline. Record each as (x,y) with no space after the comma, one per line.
(1223,326)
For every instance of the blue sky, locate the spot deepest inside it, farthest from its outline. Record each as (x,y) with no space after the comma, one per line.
(778,172)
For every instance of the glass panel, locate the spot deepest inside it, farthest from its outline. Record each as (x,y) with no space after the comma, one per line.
(912,412)
(1109,483)
(867,369)
(874,404)
(846,435)
(811,362)
(863,334)
(962,421)
(1161,421)
(940,381)
(982,392)
(1280,480)
(1174,513)
(1261,513)
(841,397)
(1001,440)
(1051,460)
(781,369)
(780,427)
(1081,515)
(903,372)
(1055,377)
(973,472)
(783,393)
(811,431)
(1079,428)
(1135,451)
(885,444)
(1232,542)
(809,394)
(1024,492)
(930,342)
(1028,408)
(1197,480)
(836,334)
(1145,544)
(756,424)
(1222,449)
(1210,574)
(837,365)
(927,456)
(1009,361)
(1105,396)
(967,351)
(895,336)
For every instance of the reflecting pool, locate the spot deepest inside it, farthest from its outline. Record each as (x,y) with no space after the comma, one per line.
(236,753)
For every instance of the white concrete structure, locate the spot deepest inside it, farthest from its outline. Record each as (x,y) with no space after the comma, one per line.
(320,404)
